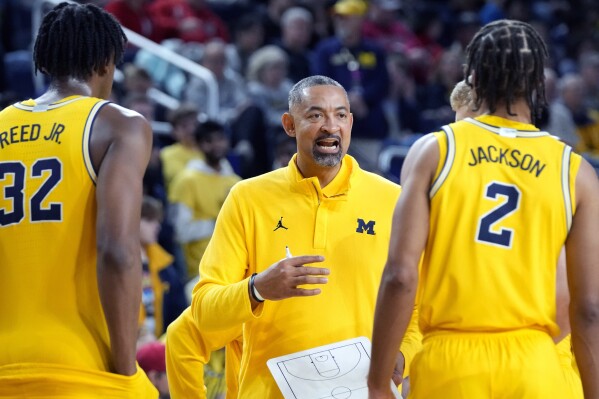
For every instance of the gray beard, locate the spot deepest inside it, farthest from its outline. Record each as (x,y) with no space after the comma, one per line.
(328,160)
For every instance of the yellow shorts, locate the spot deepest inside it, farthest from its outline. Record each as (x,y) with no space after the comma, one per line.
(520,364)
(37,381)
(566,358)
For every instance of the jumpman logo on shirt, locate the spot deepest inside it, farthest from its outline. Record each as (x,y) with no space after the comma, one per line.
(280,225)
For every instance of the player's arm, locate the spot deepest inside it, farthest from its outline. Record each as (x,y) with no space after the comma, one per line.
(562,298)
(582,253)
(121,145)
(397,292)
(411,344)
(188,351)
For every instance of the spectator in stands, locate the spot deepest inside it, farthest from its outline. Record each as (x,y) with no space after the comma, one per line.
(385,27)
(268,84)
(248,36)
(321,13)
(589,71)
(163,297)
(568,101)
(151,358)
(296,32)
(433,98)
(3,82)
(285,148)
(572,90)
(232,95)
(176,156)
(550,84)
(401,107)
(15,22)
(426,54)
(199,191)
(153,180)
(192,19)
(271,18)
(134,14)
(243,120)
(138,80)
(141,103)
(268,87)
(467,23)
(360,66)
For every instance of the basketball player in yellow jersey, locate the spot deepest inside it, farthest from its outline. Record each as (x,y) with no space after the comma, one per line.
(479,206)
(188,350)
(71,169)
(462,104)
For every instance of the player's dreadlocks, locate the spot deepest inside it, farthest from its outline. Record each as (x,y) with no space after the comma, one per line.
(507,58)
(75,40)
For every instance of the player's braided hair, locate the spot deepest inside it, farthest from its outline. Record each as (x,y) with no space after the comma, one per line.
(507,59)
(75,40)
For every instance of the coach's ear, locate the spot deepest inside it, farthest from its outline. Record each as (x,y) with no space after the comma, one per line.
(288,124)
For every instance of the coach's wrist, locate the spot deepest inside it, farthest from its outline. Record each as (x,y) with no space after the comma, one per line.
(254,293)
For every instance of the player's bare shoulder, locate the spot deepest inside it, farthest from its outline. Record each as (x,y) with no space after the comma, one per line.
(121,119)
(115,123)
(422,157)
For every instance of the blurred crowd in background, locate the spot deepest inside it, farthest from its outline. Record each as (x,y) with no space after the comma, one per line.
(398,60)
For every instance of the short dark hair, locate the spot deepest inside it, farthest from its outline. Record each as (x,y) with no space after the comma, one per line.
(182,112)
(206,128)
(151,208)
(135,98)
(77,40)
(507,60)
(295,94)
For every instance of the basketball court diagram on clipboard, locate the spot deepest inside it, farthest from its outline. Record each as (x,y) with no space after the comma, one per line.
(334,371)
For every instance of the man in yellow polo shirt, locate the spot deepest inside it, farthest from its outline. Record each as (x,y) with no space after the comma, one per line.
(323,207)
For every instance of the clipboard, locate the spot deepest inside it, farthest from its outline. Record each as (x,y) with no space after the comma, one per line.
(334,371)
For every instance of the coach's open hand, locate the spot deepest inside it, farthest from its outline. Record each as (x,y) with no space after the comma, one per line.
(281,280)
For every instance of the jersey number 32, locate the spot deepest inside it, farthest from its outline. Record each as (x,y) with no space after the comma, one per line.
(49,169)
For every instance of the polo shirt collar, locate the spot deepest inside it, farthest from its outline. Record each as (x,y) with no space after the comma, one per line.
(337,188)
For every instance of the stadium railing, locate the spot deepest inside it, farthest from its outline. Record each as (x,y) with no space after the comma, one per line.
(185,64)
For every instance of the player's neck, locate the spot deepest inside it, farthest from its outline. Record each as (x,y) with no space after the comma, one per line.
(519,111)
(62,89)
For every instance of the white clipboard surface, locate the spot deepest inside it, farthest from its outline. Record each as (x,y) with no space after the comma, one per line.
(334,371)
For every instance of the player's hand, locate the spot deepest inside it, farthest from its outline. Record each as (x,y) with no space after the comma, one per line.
(380,394)
(281,280)
(397,376)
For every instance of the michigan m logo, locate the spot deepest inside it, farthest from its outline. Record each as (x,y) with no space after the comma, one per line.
(369,227)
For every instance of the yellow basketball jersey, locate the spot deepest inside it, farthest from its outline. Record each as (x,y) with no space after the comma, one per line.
(50,310)
(501,208)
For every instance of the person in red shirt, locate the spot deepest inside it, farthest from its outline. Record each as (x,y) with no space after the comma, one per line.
(192,19)
(133,14)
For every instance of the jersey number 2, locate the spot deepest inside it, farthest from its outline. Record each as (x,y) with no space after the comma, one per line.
(14,192)
(502,237)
